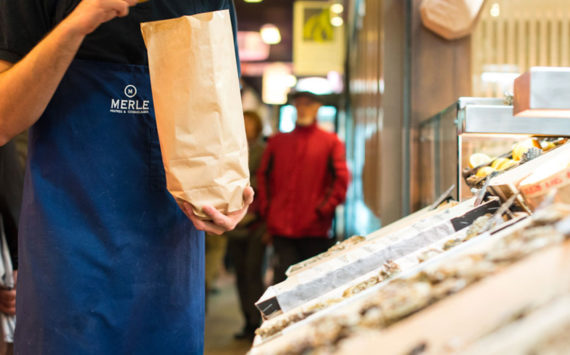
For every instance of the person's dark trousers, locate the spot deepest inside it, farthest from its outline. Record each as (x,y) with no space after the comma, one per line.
(247,256)
(289,251)
(11,186)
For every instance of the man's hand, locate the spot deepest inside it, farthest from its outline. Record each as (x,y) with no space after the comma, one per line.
(220,222)
(8,299)
(89,14)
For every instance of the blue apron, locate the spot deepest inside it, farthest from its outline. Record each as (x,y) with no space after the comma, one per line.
(108,262)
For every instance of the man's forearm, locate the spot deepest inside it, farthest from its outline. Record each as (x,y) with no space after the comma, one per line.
(28,86)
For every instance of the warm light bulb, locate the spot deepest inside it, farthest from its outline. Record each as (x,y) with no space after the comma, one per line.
(270,34)
(253,1)
(495,10)
(337,8)
(336,21)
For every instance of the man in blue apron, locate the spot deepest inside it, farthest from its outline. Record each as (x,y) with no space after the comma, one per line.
(109,264)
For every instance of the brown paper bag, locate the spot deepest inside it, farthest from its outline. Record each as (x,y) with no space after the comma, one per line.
(195,89)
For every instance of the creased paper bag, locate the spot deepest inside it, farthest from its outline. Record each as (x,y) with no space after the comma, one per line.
(195,89)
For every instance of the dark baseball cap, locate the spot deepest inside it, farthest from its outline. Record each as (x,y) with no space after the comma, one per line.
(296,94)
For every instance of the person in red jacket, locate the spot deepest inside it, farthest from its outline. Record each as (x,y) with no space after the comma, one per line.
(302,178)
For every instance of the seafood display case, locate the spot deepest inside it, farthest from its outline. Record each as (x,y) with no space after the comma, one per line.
(412,285)
(469,126)
(455,302)
(482,274)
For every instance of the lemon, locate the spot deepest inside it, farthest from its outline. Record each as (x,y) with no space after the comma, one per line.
(485,171)
(477,159)
(518,152)
(522,147)
(546,146)
(508,163)
(497,162)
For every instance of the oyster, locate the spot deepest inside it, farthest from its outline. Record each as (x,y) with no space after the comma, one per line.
(478,226)
(362,286)
(451,243)
(331,251)
(428,254)
(390,269)
(406,301)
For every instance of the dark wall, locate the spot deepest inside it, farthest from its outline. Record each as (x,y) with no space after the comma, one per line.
(440,74)
(376,82)
(400,73)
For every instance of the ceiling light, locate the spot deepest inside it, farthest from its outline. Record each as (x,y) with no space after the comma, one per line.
(253,1)
(336,21)
(270,34)
(337,8)
(251,46)
(495,10)
(276,77)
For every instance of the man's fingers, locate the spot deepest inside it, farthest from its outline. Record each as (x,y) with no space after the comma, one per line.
(108,7)
(220,222)
(126,5)
(8,301)
(89,14)
(218,218)
(198,223)
(117,3)
(122,7)
(248,196)
(212,228)
(207,226)
(123,12)
(201,224)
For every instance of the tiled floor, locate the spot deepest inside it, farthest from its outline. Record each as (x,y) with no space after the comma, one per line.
(223,319)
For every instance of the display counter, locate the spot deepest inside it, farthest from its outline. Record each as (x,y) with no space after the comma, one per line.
(468,126)
(468,275)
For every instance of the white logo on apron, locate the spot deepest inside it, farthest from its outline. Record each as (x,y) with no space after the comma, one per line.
(130,91)
(130,105)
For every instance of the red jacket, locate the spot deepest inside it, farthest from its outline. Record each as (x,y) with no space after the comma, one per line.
(302,178)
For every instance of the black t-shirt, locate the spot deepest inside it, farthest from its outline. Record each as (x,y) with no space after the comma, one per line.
(23,23)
